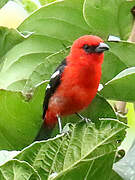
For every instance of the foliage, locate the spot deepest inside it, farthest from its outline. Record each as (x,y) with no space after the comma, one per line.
(43,2)
(74,155)
(29,5)
(29,55)
(3,2)
(123,80)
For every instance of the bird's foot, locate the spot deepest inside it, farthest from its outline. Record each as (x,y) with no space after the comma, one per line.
(66,129)
(87,120)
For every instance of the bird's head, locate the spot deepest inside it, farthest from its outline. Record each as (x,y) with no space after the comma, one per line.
(90,47)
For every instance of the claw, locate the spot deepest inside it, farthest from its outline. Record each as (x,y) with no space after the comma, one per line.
(66,129)
(87,120)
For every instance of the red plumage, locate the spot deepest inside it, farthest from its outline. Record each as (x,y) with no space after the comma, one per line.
(79,80)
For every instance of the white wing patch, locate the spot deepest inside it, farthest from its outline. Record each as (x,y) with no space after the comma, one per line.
(48,86)
(100,87)
(55,74)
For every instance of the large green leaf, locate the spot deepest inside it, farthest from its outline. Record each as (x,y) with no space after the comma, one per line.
(121,87)
(23,58)
(54,20)
(89,169)
(125,51)
(79,153)
(106,17)
(45,69)
(20,119)
(8,39)
(17,170)
(112,66)
(119,57)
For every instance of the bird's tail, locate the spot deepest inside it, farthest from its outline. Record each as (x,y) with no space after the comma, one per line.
(47,126)
(44,133)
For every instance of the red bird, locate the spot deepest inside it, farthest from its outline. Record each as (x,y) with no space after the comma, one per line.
(75,81)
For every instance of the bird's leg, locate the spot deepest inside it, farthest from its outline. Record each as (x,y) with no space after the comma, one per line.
(83,118)
(65,130)
(59,124)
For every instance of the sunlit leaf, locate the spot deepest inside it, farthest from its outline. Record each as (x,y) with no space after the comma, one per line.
(17,170)
(84,151)
(55,21)
(20,119)
(106,17)
(121,87)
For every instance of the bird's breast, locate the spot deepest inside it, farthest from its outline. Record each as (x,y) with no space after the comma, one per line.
(77,89)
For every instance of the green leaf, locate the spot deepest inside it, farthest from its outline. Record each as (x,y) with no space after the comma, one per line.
(89,169)
(8,39)
(43,2)
(121,87)
(29,5)
(17,170)
(106,17)
(103,109)
(54,20)
(20,119)
(125,51)
(45,69)
(3,2)
(111,60)
(120,56)
(115,176)
(85,146)
(22,59)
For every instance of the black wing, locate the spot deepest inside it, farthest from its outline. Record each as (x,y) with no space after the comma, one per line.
(53,85)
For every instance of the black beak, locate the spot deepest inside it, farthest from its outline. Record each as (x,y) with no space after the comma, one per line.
(102,47)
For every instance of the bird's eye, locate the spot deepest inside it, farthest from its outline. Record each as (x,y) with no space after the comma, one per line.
(86,47)
(89,49)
